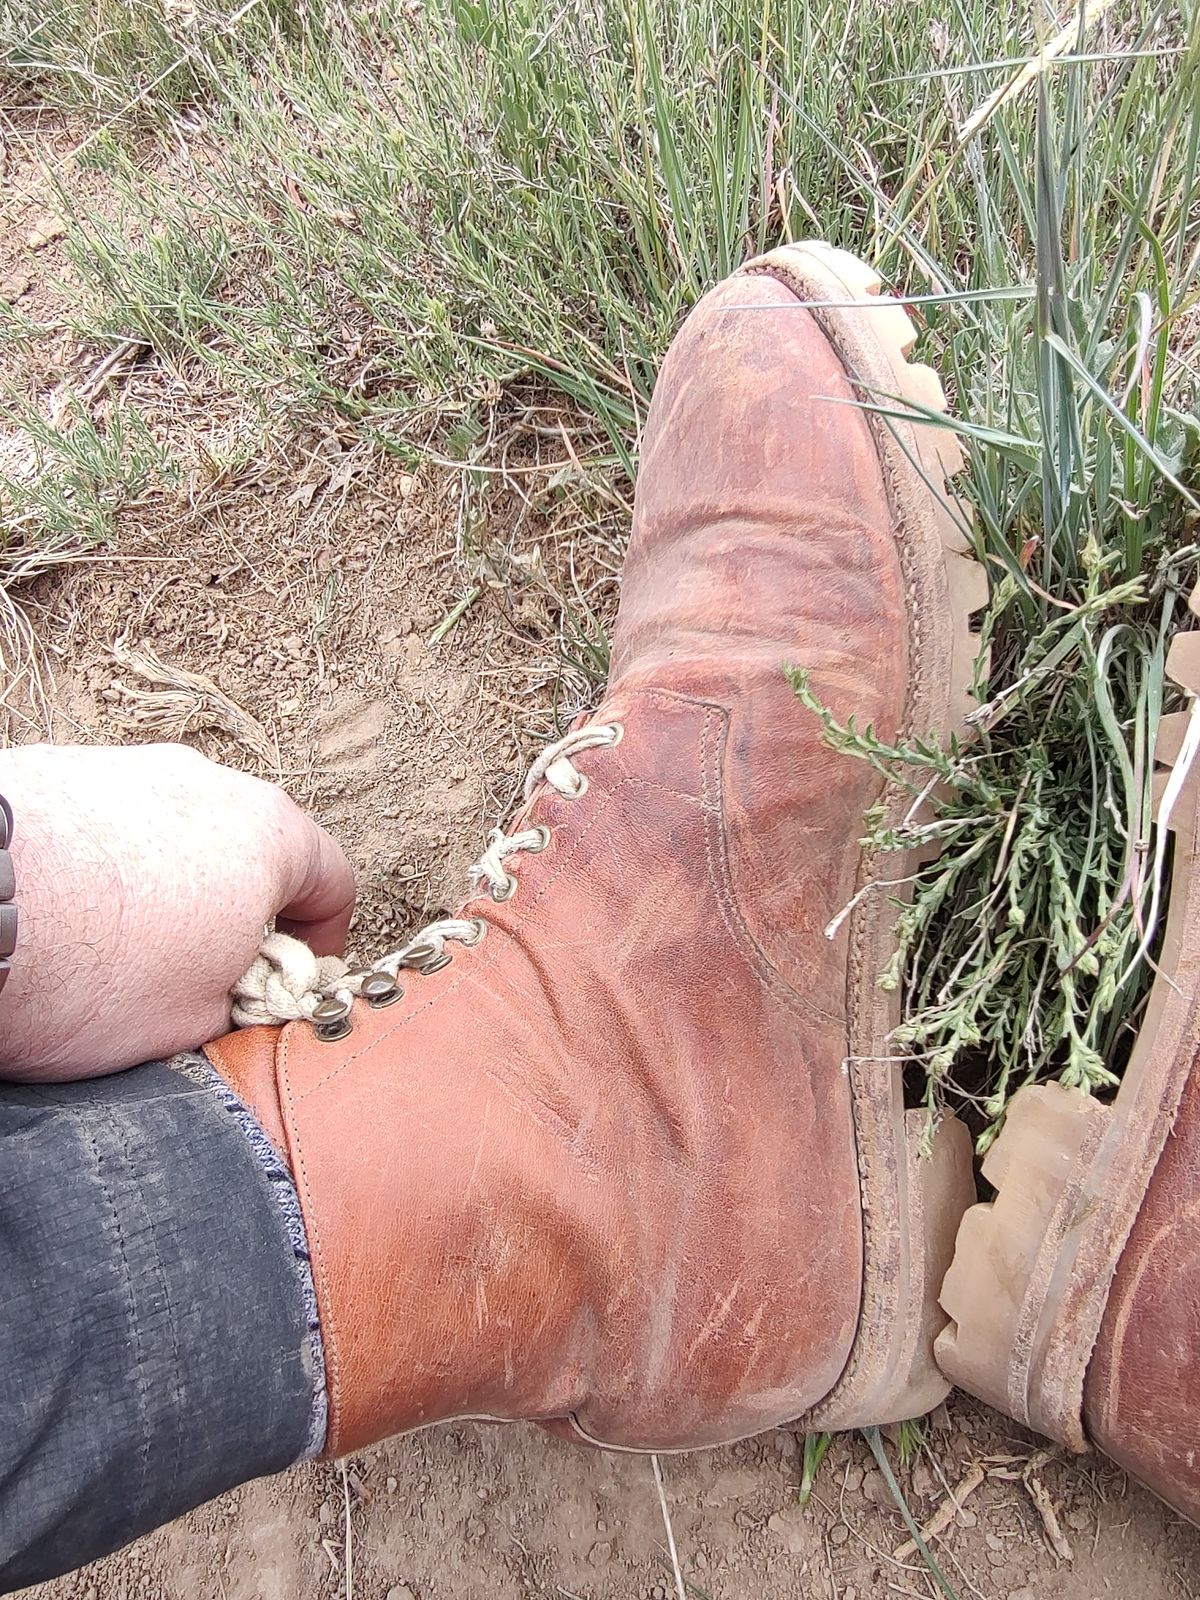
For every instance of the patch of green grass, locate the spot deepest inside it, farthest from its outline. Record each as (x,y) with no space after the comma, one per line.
(65,482)
(127,59)
(468,231)
(499,195)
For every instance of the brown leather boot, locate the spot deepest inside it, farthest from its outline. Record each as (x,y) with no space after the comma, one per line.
(1075,1294)
(627,1150)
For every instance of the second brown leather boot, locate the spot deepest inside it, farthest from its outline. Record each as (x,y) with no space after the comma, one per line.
(1075,1294)
(624,1148)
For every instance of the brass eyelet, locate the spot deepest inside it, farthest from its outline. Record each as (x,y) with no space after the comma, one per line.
(618,732)
(331,1020)
(543,833)
(506,890)
(380,989)
(478,936)
(418,954)
(435,964)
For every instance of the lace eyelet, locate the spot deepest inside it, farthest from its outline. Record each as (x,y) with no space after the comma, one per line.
(435,964)
(419,955)
(478,936)
(380,989)
(543,833)
(506,890)
(617,729)
(331,1020)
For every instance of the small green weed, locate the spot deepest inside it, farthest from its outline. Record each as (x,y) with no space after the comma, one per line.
(1023,952)
(816,1447)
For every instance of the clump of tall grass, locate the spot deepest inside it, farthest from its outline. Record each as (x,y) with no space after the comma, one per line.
(488,195)
(1025,950)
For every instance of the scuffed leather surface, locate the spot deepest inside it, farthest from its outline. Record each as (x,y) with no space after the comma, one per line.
(762,536)
(604,1165)
(1142,1398)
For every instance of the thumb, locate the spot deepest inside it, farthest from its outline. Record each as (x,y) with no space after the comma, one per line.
(319,891)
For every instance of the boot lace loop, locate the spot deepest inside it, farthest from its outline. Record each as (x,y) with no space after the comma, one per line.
(287,982)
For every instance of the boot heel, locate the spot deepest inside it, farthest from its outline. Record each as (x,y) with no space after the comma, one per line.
(893,1374)
(1002,1279)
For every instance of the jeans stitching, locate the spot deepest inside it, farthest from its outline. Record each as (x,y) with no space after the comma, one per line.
(169,1304)
(131,1322)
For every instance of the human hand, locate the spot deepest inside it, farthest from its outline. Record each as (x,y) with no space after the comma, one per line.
(145,877)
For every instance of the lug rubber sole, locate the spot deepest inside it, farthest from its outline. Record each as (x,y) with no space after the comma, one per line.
(1032,1271)
(911,1203)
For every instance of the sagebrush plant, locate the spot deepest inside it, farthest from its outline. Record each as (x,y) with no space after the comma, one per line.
(422,220)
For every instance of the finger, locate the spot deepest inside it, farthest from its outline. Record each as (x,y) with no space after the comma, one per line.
(319,894)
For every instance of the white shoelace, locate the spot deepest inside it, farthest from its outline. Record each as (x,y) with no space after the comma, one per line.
(287,982)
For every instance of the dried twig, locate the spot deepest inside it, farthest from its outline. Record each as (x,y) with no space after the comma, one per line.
(118,363)
(349,1542)
(182,701)
(945,1513)
(680,1590)
(1044,1506)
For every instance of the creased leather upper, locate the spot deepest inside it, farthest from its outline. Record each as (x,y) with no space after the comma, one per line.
(603,1165)
(763,536)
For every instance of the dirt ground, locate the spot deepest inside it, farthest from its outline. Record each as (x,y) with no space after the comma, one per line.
(301,595)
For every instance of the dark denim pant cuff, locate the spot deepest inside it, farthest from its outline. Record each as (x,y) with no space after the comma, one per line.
(156,1326)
